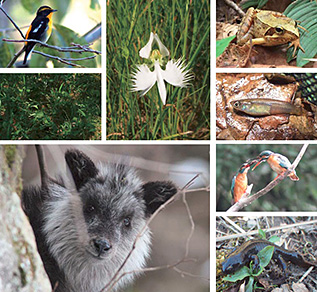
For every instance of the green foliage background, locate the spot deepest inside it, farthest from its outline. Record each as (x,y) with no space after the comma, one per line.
(50,106)
(61,35)
(286,196)
(183,27)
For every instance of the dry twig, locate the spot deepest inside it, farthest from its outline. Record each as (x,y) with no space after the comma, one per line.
(235,7)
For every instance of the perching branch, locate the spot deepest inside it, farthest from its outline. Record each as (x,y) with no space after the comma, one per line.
(75,49)
(15,57)
(64,60)
(245,201)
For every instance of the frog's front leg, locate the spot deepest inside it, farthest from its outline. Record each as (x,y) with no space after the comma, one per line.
(246,27)
(260,41)
(296,44)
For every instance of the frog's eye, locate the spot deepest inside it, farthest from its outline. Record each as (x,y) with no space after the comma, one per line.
(279,30)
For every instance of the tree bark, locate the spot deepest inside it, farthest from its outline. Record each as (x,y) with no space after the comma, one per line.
(21,268)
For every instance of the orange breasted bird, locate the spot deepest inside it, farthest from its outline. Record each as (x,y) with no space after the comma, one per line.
(279,163)
(40,29)
(239,182)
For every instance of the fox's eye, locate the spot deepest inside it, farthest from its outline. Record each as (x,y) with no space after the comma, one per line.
(127,222)
(90,208)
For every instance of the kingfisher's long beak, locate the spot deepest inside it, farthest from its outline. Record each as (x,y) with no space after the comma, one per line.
(258,163)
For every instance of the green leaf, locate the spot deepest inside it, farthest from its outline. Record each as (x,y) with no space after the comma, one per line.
(221,45)
(265,255)
(238,275)
(262,234)
(249,287)
(305,12)
(274,239)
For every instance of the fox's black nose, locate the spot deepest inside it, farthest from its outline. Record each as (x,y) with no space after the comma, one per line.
(101,245)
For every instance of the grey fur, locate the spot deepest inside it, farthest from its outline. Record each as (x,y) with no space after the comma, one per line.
(69,235)
(85,235)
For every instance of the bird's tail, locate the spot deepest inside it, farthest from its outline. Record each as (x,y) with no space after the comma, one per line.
(293,176)
(28,51)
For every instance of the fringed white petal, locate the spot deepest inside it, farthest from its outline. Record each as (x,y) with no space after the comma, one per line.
(146,50)
(143,79)
(176,74)
(163,50)
(160,82)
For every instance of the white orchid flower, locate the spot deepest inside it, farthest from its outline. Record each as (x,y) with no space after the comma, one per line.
(175,72)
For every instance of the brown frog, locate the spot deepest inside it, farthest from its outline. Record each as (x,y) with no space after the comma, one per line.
(268,28)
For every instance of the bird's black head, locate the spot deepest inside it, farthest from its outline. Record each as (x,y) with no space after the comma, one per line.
(45,10)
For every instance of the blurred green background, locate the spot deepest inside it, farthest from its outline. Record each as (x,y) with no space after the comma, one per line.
(286,196)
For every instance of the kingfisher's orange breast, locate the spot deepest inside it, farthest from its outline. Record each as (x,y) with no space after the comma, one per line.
(240,186)
(274,163)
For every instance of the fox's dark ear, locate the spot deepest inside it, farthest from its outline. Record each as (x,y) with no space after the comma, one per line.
(157,193)
(81,167)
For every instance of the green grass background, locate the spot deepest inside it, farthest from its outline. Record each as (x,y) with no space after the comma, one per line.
(184,28)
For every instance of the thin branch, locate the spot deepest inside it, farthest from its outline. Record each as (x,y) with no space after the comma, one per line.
(86,48)
(64,60)
(74,49)
(206,189)
(243,202)
(15,57)
(192,223)
(12,21)
(254,232)
(235,7)
(184,273)
(57,58)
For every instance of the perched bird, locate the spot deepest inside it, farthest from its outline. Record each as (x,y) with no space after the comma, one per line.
(40,29)
(239,182)
(279,163)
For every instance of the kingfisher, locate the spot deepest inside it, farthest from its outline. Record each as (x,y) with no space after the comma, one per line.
(239,182)
(278,162)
